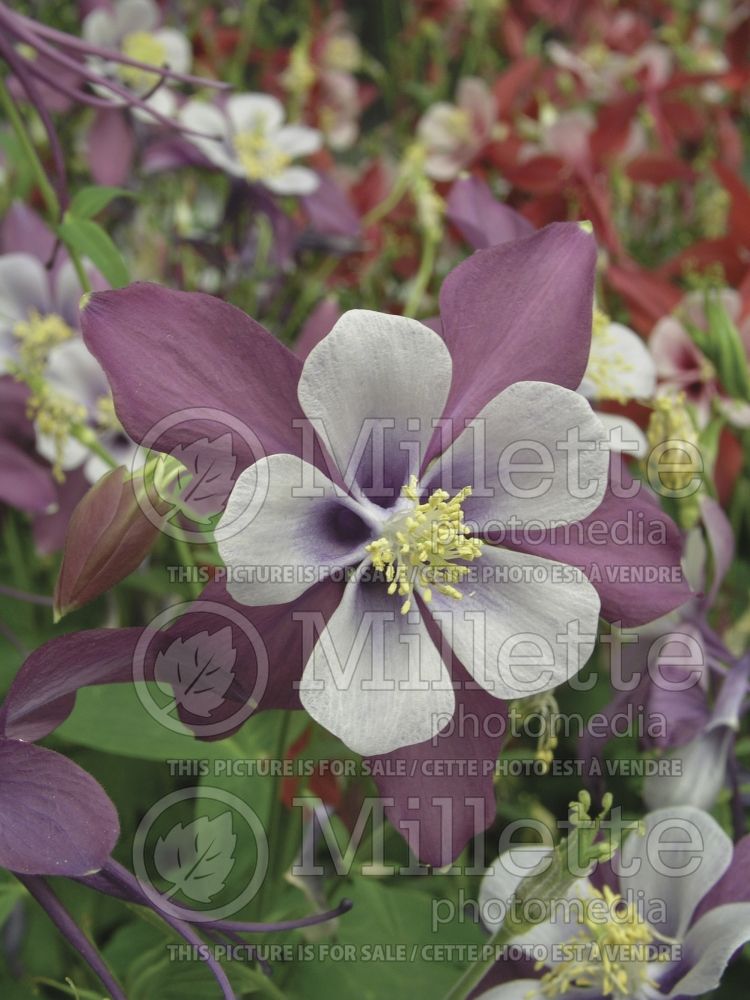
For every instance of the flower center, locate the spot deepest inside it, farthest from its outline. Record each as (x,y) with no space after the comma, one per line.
(420,547)
(605,365)
(37,335)
(459,124)
(259,157)
(610,954)
(146,48)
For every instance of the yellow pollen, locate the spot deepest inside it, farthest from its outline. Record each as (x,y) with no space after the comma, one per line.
(609,955)
(37,335)
(603,363)
(56,416)
(146,48)
(670,423)
(420,547)
(459,124)
(259,157)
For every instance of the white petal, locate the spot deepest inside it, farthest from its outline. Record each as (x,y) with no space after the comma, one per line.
(162,101)
(206,118)
(375,679)
(248,112)
(288,534)
(375,373)
(501,882)
(680,855)
(702,764)
(135,15)
(298,140)
(74,453)
(24,285)
(293,181)
(73,371)
(623,434)
(630,368)
(710,944)
(549,431)
(99,28)
(518,989)
(524,624)
(178,51)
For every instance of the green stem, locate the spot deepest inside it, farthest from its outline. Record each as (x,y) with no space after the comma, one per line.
(247,31)
(86,436)
(479,969)
(274,815)
(185,554)
(51,200)
(422,280)
(42,180)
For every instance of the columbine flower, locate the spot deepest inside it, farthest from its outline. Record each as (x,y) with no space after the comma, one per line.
(41,345)
(512,317)
(455,134)
(664,922)
(620,369)
(252,142)
(131,28)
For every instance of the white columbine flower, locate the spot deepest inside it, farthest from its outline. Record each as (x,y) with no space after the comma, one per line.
(620,368)
(249,139)
(131,27)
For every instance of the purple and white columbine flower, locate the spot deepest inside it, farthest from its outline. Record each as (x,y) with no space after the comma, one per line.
(663,919)
(248,139)
(510,315)
(376,677)
(39,310)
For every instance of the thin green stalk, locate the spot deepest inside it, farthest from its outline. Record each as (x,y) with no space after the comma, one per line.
(51,200)
(422,280)
(42,180)
(274,816)
(247,31)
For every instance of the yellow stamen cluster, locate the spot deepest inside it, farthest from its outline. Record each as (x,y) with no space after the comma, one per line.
(609,955)
(106,418)
(421,547)
(602,366)
(259,158)
(671,422)
(57,417)
(37,335)
(146,48)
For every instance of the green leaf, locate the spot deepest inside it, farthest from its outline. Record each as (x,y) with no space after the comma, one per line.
(89,201)
(90,240)
(112,718)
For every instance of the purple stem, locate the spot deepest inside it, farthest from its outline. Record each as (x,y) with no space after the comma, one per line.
(70,930)
(22,595)
(121,876)
(129,98)
(79,45)
(239,926)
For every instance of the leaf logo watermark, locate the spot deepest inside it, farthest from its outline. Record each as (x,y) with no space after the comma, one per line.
(199,670)
(198,857)
(200,667)
(184,866)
